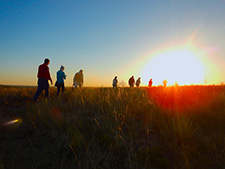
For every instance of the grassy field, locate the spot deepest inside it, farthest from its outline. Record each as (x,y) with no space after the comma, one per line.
(128,128)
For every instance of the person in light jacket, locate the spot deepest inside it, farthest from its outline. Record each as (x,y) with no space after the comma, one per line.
(78,79)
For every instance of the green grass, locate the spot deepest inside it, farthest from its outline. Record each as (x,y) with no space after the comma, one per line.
(158,128)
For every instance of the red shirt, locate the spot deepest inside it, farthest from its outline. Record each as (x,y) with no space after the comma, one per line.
(43,72)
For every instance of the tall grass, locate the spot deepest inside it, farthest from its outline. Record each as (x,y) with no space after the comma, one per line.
(119,128)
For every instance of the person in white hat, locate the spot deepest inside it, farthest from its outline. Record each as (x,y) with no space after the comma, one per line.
(60,75)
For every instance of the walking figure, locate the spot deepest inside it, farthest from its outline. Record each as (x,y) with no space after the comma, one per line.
(131,81)
(60,79)
(115,82)
(43,77)
(138,82)
(78,79)
(150,83)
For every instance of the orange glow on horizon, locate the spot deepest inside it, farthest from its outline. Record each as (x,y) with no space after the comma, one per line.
(184,99)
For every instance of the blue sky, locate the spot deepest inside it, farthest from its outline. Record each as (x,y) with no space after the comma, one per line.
(104,37)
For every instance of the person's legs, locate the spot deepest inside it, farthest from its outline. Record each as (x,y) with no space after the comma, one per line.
(63,88)
(60,85)
(79,85)
(58,89)
(39,90)
(46,87)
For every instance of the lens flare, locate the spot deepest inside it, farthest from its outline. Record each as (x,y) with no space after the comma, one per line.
(11,122)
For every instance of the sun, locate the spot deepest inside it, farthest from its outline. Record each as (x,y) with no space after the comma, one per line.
(180,66)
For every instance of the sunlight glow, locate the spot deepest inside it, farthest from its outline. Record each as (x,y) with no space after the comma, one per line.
(181,66)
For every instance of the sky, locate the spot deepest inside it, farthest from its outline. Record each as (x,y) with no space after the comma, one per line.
(178,40)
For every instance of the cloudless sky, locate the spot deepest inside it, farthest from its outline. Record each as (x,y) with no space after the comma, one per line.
(104,37)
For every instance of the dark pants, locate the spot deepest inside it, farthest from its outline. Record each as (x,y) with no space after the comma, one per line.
(42,85)
(60,85)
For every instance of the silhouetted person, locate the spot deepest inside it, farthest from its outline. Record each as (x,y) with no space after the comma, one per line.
(150,83)
(60,79)
(138,82)
(43,77)
(78,79)
(131,81)
(164,83)
(115,82)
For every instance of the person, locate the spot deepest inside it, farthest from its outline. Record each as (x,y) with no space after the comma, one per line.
(60,75)
(138,82)
(78,79)
(131,81)
(164,83)
(150,83)
(43,77)
(115,82)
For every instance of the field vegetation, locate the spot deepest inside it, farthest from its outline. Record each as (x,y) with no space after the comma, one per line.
(179,127)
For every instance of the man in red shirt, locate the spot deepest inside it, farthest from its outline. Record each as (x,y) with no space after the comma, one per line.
(43,77)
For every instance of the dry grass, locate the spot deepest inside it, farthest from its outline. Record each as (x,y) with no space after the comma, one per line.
(179,127)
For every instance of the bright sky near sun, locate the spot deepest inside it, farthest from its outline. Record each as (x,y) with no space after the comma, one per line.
(182,41)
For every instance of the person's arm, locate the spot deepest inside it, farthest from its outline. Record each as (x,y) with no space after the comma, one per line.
(74,79)
(64,76)
(48,75)
(82,79)
(38,71)
(51,80)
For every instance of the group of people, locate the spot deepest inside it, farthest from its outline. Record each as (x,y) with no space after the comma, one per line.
(78,80)
(131,82)
(44,76)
